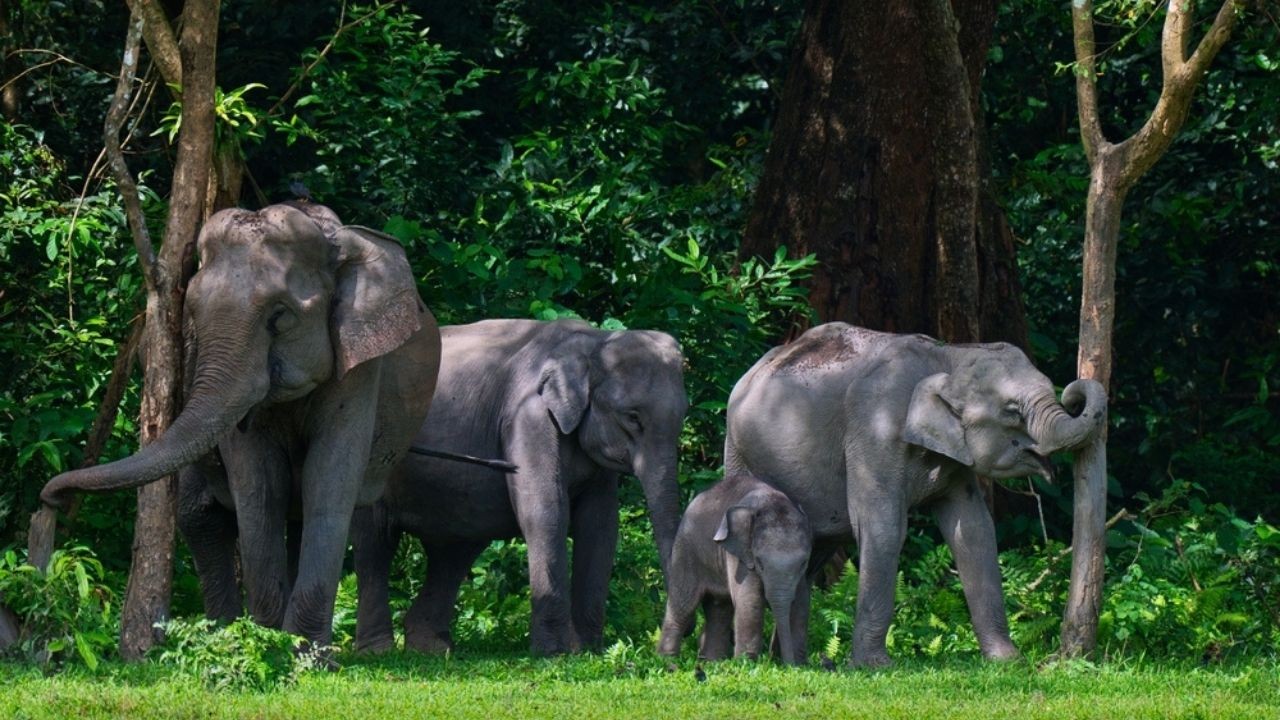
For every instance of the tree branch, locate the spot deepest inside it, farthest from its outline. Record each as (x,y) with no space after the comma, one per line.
(1181,76)
(161,43)
(1086,78)
(306,72)
(111,137)
(1213,40)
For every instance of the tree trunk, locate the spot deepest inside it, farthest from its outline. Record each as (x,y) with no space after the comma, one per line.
(10,97)
(1113,171)
(881,126)
(151,575)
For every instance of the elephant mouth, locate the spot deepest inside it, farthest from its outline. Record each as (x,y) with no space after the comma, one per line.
(1046,467)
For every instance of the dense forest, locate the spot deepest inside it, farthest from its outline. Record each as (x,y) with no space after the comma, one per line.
(626,164)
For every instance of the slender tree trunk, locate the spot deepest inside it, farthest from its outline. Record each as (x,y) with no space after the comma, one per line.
(151,575)
(10,96)
(1114,168)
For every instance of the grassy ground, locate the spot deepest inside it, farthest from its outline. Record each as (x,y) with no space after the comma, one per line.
(637,684)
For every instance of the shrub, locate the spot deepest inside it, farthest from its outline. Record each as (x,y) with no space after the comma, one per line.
(68,613)
(239,656)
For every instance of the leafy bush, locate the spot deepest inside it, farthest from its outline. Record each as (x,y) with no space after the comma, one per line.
(68,613)
(239,656)
(70,288)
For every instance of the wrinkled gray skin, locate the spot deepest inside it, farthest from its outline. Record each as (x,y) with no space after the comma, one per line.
(572,407)
(741,544)
(858,426)
(311,362)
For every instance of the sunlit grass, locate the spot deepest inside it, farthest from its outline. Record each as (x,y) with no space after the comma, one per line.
(632,682)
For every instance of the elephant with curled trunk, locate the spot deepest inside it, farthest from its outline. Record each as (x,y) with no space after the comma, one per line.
(858,426)
(572,407)
(311,362)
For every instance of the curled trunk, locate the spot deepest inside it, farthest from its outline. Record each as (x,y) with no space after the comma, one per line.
(1073,423)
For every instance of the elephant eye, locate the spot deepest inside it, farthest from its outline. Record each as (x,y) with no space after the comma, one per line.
(633,417)
(280,321)
(1013,411)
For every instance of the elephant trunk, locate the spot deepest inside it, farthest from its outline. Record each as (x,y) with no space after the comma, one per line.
(221,394)
(662,496)
(1071,424)
(780,603)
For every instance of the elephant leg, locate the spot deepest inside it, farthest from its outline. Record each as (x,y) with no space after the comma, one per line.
(293,547)
(968,529)
(374,542)
(594,526)
(341,434)
(541,505)
(747,593)
(880,529)
(209,530)
(258,475)
(427,625)
(717,629)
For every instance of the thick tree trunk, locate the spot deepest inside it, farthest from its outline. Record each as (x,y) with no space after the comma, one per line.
(881,127)
(151,575)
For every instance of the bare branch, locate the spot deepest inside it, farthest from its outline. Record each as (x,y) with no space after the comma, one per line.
(1213,40)
(161,43)
(1149,143)
(1176,36)
(1086,78)
(111,136)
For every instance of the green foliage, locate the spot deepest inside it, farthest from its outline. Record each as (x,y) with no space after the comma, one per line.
(70,288)
(239,656)
(379,112)
(68,614)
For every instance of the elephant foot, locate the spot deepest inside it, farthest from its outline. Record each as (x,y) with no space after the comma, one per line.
(1001,652)
(549,647)
(375,646)
(429,642)
(870,660)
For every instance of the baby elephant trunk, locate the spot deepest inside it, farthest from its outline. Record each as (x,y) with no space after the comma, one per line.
(780,591)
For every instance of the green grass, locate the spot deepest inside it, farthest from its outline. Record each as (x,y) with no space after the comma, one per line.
(635,683)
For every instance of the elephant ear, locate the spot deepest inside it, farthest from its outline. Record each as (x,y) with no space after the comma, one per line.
(933,420)
(734,534)
(565,387)
(376,305)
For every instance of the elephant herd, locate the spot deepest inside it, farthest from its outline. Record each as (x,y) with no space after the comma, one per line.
(313,368)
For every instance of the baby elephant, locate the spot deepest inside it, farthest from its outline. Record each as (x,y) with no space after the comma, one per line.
(741,542)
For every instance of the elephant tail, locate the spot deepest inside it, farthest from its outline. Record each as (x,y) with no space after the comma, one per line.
(499,465)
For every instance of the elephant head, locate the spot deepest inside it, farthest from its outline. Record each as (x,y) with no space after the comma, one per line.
(995,413)
(770,536)
(624,396)
(286,299)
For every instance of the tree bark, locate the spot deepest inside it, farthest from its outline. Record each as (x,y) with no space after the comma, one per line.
(1113,171)
(151,575)
(881,126)
(10,97)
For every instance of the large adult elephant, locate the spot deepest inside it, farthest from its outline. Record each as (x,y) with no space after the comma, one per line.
(858,426)
(572,407)
(311,363)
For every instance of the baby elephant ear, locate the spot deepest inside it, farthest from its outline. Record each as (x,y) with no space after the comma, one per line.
(376,306)
(734,534)
(933,420)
